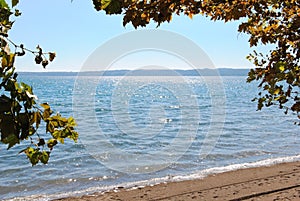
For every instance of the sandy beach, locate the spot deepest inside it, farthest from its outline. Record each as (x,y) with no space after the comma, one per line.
(276,182)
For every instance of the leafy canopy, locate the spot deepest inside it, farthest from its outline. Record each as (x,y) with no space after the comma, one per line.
(20,115)
(265,21)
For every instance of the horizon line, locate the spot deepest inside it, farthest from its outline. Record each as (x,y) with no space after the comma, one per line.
(222,68)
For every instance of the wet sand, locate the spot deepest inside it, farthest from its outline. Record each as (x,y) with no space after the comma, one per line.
(276,182)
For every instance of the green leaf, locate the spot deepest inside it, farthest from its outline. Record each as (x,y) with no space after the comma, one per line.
(59,134)
(14,3)
(26,87)
(29,151)
(50,126)
(111,6)
(33,155)
(11,140)
(61,140)
(44,157)
(9,131)
(24,122)
(3,4)
(71,121)
(105,3)
(10,86)
(5,104)
(74,136)
(51,143)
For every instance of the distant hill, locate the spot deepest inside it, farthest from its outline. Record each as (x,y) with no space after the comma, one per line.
(201,72)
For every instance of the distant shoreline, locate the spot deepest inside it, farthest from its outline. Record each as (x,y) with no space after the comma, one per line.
(201,72)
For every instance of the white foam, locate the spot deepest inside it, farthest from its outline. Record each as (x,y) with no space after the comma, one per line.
(267,162)
(154,181)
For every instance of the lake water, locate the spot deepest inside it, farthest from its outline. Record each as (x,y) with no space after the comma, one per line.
(145,130)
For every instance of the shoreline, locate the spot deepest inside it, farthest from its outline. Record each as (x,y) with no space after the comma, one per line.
(275,182)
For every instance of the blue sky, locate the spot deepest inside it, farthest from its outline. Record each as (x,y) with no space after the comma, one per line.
(74,30)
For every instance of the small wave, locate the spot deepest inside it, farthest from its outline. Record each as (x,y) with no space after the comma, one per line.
(262,163)
(154,181)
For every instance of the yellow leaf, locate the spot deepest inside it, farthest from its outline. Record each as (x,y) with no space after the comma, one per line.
(45,106)
(143,15)
(277,91)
